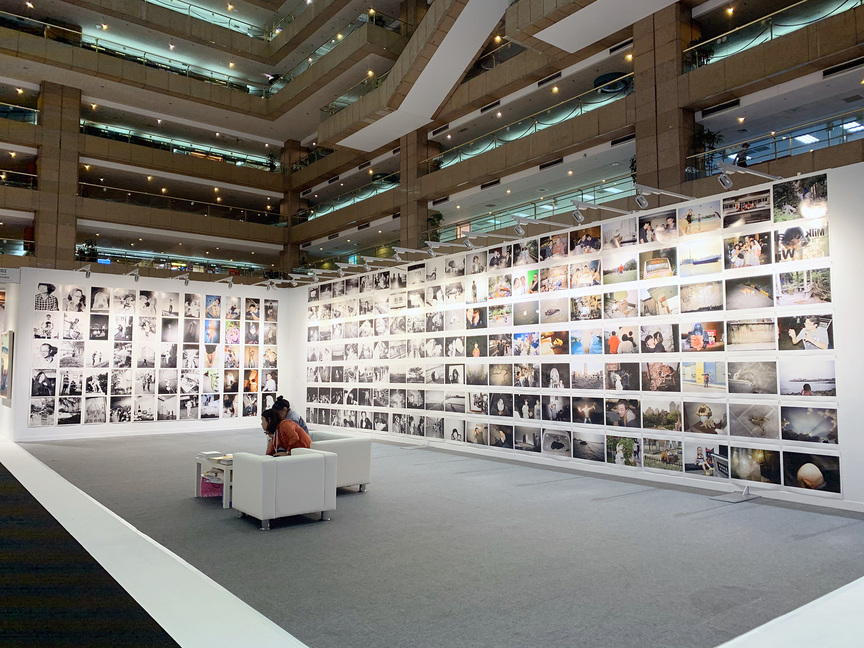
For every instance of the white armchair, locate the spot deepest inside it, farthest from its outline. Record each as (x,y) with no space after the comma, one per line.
(273,487)
(355,456)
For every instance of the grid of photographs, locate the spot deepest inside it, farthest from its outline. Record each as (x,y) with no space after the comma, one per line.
(117,355)
(705,331)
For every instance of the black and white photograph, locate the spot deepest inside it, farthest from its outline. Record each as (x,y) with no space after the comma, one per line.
(42,412)
(476,432)
(500,404)
(478,402)
(526,438)
(556,442)
(95,409)
(500,375)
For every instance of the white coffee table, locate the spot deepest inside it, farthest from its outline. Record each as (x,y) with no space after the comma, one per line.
(203,464)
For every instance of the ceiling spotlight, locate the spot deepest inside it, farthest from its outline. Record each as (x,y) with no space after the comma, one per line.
(431,247)
(578,216)
(728,169)
(184,277)
(642,190)
(641,200)
(725,181)
(228,280)
(341,272)
(86,270)
(468,243)
(519,229)
(292,283)
(136,274)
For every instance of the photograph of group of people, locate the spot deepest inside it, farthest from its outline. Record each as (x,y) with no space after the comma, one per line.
(683,325)
(116,355)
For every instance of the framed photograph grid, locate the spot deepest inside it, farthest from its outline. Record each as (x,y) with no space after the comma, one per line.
(705,330)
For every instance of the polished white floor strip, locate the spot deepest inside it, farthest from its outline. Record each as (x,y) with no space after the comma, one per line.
(192,608)
(828,622)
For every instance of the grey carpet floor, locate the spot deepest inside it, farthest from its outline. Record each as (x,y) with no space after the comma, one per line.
(447,550)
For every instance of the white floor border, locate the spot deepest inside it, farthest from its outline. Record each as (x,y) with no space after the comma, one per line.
(191,607)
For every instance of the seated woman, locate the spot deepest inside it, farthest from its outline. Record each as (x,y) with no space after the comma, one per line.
(282,435)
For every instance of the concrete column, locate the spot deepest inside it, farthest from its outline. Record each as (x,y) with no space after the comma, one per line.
(664,132)
(412,12)
(289,258)
(57,170)
(413,213)
(291,152)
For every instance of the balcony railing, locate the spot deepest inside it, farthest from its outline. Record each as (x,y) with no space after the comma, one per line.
(93,254)
(561,112)
(831,131)
(491,60)
(310,157)
(19,113)
(180,147)
(18,179)
(377,186)
(17,247)
(782,22)
(547,207)
(353,95)
(370,16)
(104,46)
(213,17)
(161,201)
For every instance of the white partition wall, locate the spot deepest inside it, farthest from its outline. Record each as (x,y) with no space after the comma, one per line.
(709,343)
(107,355)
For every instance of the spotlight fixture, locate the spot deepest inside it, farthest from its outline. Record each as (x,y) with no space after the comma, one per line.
(228,280)
(86,270)
(184,277)
(579,205)
(431,246)
(136,274)
(292,283)
(341,272)
(726,170)
(521,222)
(467,241)
(401,250)
(642,191)
(520,231)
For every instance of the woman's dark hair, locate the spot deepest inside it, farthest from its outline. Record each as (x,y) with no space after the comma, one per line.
(272,420)
(280,403)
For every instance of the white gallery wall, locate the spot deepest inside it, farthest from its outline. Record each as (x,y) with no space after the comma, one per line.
(151,356)
(710,343)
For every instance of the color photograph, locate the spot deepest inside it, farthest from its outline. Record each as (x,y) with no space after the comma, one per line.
(620,267)
(500,404)
(658,338)
(586,341)
(811,471)
(756,334)
(555,376)
(586,240)
(657,264)
(810,424)
(660,300)
(554,342)
(747,209)
(661,414)
(747,251)
(623,451)
(500,257)
(701,257)
(805,333)
(585,274)
(620,304)
(554,246)
(703,377)
(556,442)
(705,417)
(659,226)
(706,458)
(556,408)
(700,218)
(702,297)
(554,311)
(526,374)
(526,313)
(621,339)
(755,464)
(662,454)
(587,375)
(755,421)
(661,376)
(587,307)
(807,377)
(702,336)
(801,198)
(525,252)
(801,287)
(588,411)
(750,292)
(623,412)
(797,243)
(620,233)
(528,407)
(554,278)
(590,446)
(622,376)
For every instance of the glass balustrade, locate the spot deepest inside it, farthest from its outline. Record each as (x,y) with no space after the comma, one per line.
(378,186)
(89,253)
(831,131)
(212,17)
(19,113)
(180,147)
(311,157)
(17,247)
(162,201)
(353,95)
(127,53)
(493,59)
(557,207)
(792,18)
(18,179)
(579,105)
